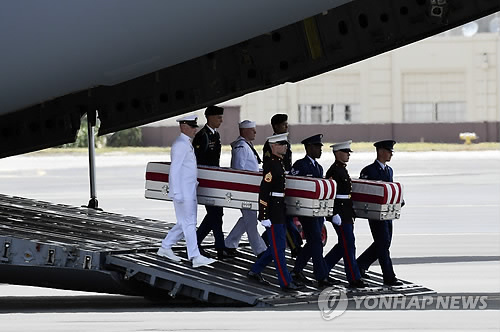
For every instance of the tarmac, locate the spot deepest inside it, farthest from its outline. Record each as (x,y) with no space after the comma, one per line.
(448,239)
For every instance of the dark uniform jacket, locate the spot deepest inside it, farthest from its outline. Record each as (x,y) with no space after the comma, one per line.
(273,181)
(305,167)
(376,172)
(207,147)
(287,158)
(343,207)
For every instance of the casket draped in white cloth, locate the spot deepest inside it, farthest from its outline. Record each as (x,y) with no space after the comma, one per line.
(226,187)
(377,200)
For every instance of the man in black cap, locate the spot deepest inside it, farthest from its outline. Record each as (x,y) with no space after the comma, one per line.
(312,226)
(207,147)
(279,122)
(381,229)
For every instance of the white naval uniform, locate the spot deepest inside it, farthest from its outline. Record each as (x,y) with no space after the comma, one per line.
(182,189)
(242,157)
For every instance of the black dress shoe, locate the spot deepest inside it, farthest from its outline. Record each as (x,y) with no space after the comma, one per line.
(328,282)
(232,252)
(364,275)
(292,287)
(224,254)
(393,282)
(357,284)
(299,277)
(257,277)
(324,283)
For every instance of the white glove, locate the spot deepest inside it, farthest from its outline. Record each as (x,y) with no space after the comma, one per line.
(266,223)
(336,220)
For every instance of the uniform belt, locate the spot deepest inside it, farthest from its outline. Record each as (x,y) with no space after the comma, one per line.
(343,196)
(277,194)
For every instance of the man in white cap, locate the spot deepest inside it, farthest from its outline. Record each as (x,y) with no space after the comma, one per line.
(272,215)
(244,157)
(343,217)
(183,182)
(279,122)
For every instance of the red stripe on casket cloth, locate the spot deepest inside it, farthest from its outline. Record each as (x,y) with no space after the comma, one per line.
(369,198)
(310,194)
(252,188)
(302,194)
(228,185)
(218,169)
(153,176)
(208,183)
(161,177)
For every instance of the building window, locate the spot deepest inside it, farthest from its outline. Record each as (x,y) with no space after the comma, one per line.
(450,112)
(347,113)
(315,114)
(434,97)
(434,112)
(332,113)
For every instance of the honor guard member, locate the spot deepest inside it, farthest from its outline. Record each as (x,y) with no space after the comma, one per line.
(311,226)
(244,157)
(381,229)
(343,217)
(272,215)
(207,147)
(182,189)
(279,122)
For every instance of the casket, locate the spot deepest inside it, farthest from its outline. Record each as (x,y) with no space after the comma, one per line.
(377,200)
(238,189)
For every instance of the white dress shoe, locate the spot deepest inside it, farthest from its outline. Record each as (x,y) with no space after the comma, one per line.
(202,261)
(168,253)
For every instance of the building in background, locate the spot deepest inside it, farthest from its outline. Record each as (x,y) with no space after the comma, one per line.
(429,91)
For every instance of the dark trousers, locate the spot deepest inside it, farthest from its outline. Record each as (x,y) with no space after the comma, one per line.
(276,252)
(313,248)
(379,249)
(293,238)
(346,249)
(212,222)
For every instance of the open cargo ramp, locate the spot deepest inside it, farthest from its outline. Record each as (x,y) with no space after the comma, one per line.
(59,246)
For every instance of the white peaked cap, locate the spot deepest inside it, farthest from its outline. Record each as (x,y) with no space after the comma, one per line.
(342,146)
(188,118)
(277,138)
(247,124)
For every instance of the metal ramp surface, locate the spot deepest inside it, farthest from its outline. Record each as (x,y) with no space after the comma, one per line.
(225,281)
(60,246)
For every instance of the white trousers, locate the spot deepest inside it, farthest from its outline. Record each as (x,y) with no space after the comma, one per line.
(185,214)
(247,223)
